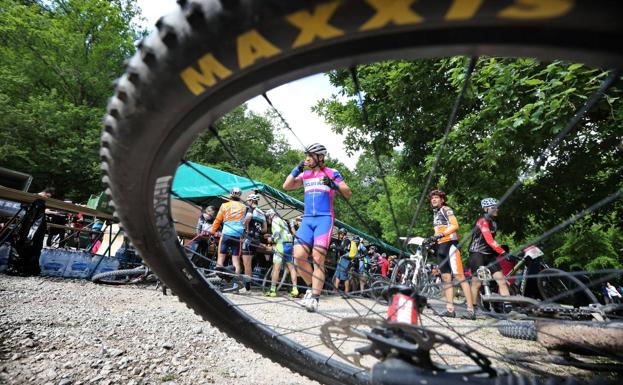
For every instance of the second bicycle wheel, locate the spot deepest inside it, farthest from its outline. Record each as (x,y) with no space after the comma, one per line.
(210,57)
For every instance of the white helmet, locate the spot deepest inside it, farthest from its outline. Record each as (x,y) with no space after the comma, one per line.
(254,198)
(270,213)
(489,202)
(316,148)
(235,192)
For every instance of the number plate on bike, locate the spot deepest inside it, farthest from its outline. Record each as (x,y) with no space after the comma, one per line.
(402,309)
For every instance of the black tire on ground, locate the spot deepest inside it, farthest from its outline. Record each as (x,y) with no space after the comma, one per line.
(118,277)
(521,330)
(189,71)
(559,286)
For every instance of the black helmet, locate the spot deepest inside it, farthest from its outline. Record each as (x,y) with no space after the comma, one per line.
(341,231)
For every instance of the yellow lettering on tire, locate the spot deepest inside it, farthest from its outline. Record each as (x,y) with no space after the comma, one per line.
(314,25)
(463,9)
(536,9)
(253,46)
(397,11)
(209,69)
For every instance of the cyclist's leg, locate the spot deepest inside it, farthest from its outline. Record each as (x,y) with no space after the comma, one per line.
(287,256)
(247,258)
(276,272)
(475,261)
(457,271)
(501,281)
(222,251)
(446,274)
(322,239)
(236,249)
(302,249)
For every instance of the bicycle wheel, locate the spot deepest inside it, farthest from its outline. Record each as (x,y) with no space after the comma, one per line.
(564,287)
(403,273)
(267,281)
(211,56)
(119,277)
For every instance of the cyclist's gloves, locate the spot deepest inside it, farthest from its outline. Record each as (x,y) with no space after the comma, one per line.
(507,256)
(329,182)
(433,239)
(298,169)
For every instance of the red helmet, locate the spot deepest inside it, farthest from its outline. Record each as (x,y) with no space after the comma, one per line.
(439,193)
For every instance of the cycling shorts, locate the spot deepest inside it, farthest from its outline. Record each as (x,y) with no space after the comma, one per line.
(279,257)
(449,257)
(230,242)
(315,231)
(479,259)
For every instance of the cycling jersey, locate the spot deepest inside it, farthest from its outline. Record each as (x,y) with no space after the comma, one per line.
(281,231)
(483,237)
(256,218)
(318,196)
(444,222)
(231,215)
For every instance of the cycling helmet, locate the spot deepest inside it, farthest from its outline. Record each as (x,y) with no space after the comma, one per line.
(270,213)
(341,231)
(316,148)
(372,248)
(254,198)
(439,193)
(489,202)
(235,192)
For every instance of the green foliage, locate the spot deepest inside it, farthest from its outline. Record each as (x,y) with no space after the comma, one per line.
(590,246)
(57,63)
(512,110)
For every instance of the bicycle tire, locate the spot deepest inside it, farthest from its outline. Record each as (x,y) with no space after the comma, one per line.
(104,278)
(559,275)
(154,115)
(521,330)
(266,282)
(402,265)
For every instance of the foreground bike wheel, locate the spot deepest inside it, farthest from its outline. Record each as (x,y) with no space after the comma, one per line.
(210,56)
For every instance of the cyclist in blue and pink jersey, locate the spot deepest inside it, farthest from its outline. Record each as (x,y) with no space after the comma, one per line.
(314,234)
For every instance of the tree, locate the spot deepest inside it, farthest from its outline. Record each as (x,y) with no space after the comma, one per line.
(512,110)
(58,60)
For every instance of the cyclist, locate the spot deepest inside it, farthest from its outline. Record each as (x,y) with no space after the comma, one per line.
(204,224)
(314,235)
(344,261)
(282,239)
(365,259)
(254,229)
(231,216)
(484,250)
(447,238)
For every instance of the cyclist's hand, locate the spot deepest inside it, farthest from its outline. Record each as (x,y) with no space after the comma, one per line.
(431,240)
(298,169)
(329,182)
(507,256)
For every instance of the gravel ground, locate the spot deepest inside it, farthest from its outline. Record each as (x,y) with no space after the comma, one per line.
(61,332)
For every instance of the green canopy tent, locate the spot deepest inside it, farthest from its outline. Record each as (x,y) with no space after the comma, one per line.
(201,184)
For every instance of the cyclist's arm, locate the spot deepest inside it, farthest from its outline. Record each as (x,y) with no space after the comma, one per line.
(483,226)
(217,221)
(454,224)
(344,190)
(292,182)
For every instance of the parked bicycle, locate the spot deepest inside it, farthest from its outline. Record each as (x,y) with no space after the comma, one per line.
(416,271)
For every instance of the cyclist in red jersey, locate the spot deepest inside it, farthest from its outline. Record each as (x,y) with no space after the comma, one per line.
(484,250)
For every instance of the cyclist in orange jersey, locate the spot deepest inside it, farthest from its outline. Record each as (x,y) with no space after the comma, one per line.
(450,264)
(231,214)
